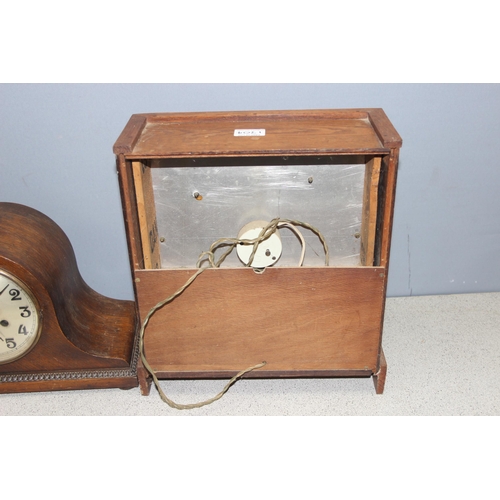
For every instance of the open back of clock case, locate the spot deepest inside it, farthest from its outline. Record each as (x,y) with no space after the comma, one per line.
(188,179)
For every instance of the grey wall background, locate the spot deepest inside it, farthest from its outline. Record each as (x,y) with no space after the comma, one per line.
(56,156)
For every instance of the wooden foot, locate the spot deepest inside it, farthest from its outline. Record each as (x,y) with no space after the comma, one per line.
(379,377)
(144,379)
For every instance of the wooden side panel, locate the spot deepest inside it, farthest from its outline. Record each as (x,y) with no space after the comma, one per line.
(387,192)
(370,205)
(146,212)
(295,319)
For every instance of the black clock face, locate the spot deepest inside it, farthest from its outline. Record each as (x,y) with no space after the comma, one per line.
(19,318)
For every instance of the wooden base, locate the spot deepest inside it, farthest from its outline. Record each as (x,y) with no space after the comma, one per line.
(69,384)
(145,379)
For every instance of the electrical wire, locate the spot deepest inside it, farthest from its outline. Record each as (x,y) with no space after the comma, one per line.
(266,232)
(301,238)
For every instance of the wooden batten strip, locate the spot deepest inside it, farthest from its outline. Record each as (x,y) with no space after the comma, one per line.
(370,201)
(392,172)
(147,215)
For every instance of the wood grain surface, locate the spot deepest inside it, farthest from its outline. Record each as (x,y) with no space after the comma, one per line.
(295,319)
(365,131)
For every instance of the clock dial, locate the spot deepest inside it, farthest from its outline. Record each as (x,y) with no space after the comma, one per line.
(19,318)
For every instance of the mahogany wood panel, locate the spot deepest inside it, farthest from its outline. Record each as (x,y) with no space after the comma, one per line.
(295,319)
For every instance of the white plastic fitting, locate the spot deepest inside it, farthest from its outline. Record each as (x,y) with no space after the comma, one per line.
(268,252)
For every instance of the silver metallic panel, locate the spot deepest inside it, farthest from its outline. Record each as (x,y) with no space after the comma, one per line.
(328,197)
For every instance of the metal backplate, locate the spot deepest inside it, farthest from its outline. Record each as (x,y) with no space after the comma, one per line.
(197,205)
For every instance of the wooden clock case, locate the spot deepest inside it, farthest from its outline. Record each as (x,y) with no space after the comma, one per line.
(311,321)
(87,340)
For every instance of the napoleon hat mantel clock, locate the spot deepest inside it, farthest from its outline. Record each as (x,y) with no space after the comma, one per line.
(189,179)
(56,333)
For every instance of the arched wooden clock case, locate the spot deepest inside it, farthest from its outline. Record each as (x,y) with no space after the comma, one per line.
(86,340)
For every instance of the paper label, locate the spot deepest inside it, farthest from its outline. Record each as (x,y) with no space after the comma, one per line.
(244,132)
